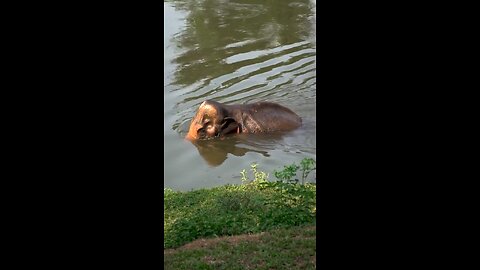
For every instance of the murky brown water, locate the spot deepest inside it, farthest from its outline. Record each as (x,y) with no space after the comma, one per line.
(237,52)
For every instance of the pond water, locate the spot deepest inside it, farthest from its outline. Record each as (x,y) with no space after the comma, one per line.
(237,52)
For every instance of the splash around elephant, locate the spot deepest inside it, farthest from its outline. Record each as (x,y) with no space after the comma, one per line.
(214,119)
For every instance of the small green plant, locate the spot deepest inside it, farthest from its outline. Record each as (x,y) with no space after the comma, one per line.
(244,176)
(287,173)
(258,176)
(307,165)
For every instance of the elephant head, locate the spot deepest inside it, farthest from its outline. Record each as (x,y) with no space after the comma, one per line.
(211,120)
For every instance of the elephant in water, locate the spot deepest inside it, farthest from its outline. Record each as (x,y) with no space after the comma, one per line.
(214,119)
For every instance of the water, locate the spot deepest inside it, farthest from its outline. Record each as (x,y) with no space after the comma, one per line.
(237,52)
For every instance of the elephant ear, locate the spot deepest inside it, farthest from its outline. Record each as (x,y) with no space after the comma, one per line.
(228,125)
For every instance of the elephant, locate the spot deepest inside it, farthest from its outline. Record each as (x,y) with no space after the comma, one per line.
(214,119)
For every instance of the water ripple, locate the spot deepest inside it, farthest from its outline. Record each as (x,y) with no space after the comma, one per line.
(281,73)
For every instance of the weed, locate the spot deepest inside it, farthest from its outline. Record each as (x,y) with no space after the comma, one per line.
(258,176)
(307,165)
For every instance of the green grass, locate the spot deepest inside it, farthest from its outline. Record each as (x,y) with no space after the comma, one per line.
(256,225)
(253,207)
(292,248)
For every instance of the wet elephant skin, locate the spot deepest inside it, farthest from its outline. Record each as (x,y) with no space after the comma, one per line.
(214,119)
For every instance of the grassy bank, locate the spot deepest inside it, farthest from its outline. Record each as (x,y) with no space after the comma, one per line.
(292,248)
(252,207)
(259,224)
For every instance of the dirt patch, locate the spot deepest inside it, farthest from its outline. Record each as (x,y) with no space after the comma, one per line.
(206,243)
(235,240)
(211,260)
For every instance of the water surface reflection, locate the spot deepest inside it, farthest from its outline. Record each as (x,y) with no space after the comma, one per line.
(216,151)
